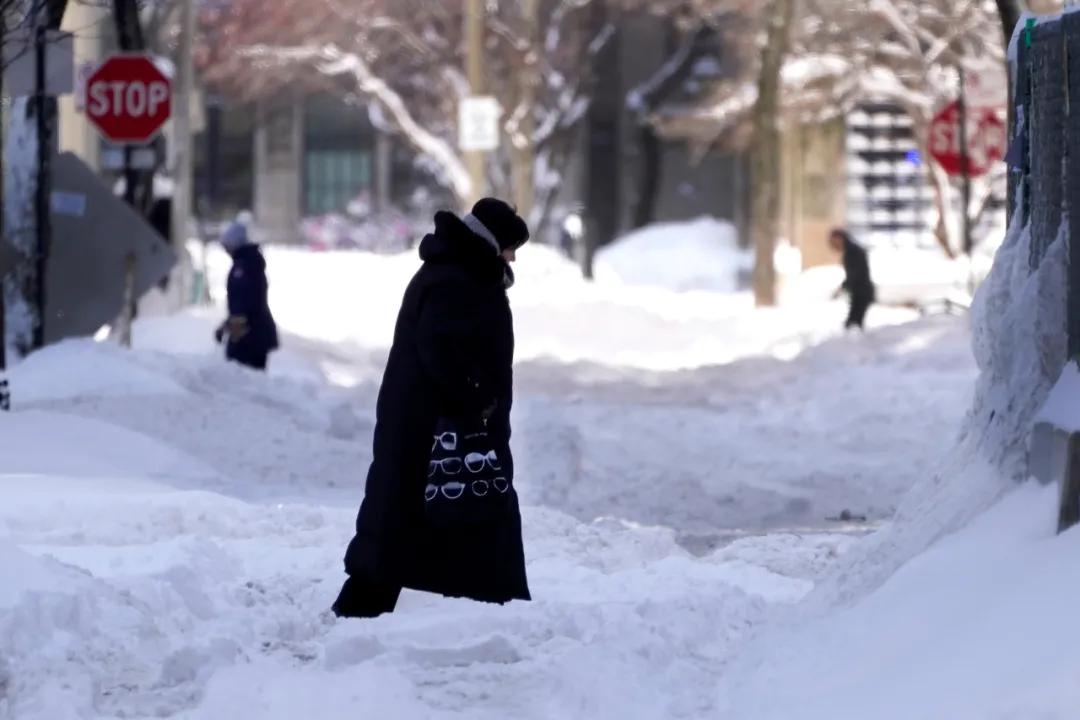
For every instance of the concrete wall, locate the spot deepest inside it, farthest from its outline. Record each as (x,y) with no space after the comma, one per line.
(76,134)
(813,191)
(279,134)
(689,186)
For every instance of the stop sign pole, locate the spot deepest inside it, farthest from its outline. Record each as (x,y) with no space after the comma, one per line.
(965,193)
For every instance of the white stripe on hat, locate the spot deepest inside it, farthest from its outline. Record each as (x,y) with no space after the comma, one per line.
(481,229)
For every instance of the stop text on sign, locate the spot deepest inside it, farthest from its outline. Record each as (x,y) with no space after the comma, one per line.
(122,98)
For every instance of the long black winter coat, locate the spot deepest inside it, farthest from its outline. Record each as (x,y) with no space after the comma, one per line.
(451,357)
(252,332)
(857,280)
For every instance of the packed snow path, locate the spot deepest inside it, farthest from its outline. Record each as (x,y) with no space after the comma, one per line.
(173,529)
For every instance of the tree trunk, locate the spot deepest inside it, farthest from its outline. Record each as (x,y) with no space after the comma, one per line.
(945,230)
(603,152)
(183,158)
(473,34)
(524,158)
(765,167)
(1009,11)
(652,168)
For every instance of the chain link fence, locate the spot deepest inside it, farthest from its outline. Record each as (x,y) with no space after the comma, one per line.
(1046,164)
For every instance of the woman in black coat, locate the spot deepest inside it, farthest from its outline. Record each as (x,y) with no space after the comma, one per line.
(451,358)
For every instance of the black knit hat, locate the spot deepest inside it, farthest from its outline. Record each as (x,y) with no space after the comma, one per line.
(501,220)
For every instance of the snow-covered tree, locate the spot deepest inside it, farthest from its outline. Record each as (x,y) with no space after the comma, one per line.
(406,59)
(843,52)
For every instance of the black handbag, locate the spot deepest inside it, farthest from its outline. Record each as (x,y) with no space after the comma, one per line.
(467,483)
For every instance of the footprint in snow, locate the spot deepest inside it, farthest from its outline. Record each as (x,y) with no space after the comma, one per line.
(496,649)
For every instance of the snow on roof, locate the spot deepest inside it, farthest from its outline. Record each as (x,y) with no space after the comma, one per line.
(810,68)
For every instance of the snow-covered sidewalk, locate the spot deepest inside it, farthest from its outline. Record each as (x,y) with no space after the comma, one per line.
(173,527)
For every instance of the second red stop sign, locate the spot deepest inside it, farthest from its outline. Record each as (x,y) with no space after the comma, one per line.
(986,139)
(128,99)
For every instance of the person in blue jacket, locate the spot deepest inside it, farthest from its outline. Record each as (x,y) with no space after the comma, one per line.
(249,333)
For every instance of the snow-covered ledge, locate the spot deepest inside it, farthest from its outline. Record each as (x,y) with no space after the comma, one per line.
(1054,454)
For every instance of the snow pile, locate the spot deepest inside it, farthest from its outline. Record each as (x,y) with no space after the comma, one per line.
(351,299)
(78,368)
(182,538)
(959,601)
(183,567)
(25,573)
(970,629)
(701,254)
(908,275)
(1060,409)
(1019,345)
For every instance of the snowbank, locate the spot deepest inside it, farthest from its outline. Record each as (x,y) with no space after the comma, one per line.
(959,600)
(701,254)
(182,546)
(970,629)
(25,573)
(139,599)
(1019,346)
(1061,409)
(77,368)
(351,299)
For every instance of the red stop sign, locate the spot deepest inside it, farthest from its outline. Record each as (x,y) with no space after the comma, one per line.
(128,99)
(986,139)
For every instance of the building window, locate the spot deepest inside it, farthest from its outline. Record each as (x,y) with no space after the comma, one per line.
(279,132)
(334,178)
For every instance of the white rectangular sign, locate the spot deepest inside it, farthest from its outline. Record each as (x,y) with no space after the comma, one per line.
(20,63)
(82,74)
(478,123)
(68,203)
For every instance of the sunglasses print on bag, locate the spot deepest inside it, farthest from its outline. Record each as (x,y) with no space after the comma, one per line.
(454,490)
(473,462)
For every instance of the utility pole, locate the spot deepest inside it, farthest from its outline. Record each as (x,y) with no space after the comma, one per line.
(473,32)
(766,161)
(524,190)
(129,34)
(182,151)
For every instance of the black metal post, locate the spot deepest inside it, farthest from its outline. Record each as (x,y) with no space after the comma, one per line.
(965,164)
(41,203)
(5,397)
